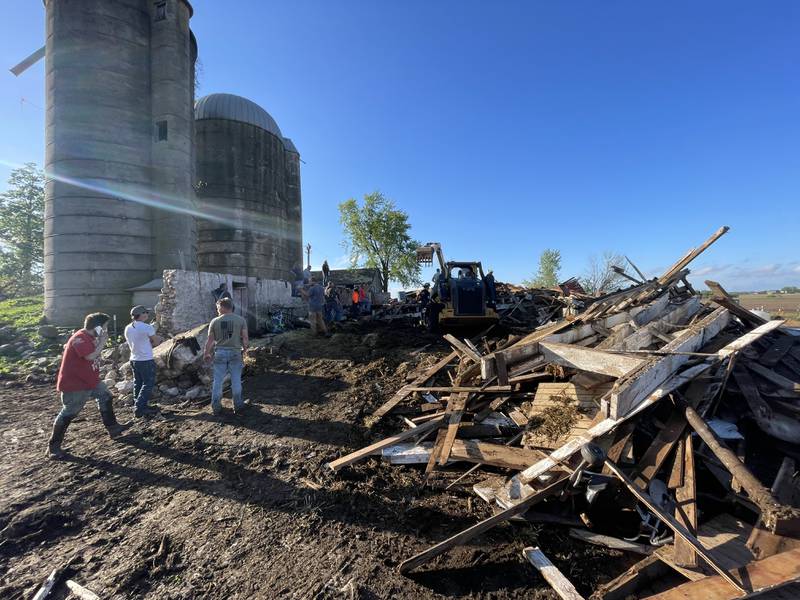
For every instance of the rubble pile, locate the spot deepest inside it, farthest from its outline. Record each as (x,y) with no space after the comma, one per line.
(650,423)
(180,372)
(32,353)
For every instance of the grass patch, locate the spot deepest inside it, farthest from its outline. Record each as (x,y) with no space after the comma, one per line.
(21,312)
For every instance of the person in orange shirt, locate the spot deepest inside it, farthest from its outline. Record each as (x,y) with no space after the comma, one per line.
(354,309)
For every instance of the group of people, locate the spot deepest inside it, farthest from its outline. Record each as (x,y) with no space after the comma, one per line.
(79,373)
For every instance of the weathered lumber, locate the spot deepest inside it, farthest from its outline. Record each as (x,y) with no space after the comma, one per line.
(48,584)
(775,378)
(668,520)
(637,385)
(551,574)
(628,584)
(643,337)
(403,392)
(385,443)
(760,574)
(510,442)
(686,507)
(492,389)
(462,348)
(779,348)
(611,542)
(464,536)
(777,518)
(516,489)
(497,455)
(691,255)
(660,448)
(723,298)
(588,359)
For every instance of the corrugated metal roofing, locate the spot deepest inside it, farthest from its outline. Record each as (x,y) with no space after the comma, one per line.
(235,108)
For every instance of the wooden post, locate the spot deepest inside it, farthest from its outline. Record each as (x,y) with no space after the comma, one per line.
(560,584)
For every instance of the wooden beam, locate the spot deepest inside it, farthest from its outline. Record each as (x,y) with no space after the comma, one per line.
(560,584)
(385,443)
(492,389)
(686,507)
(496,455)
(691,255)
(723,298)
(588,359)
(762,542)
(760,574)
(482,527)
(403,392)
(637,385)
(631,581)
(463,348)
(778,348)
(660,448)
(643,337)
(776,379)
(668,520)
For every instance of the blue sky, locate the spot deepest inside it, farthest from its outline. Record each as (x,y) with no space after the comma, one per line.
(505,128)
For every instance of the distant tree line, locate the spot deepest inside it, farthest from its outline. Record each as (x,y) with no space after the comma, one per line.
(22,233)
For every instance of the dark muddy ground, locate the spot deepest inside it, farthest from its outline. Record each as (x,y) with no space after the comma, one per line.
(194,506)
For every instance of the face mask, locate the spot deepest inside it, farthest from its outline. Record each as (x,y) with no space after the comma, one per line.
(98,330)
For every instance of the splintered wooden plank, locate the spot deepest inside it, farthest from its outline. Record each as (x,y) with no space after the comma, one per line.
(385,443)
(404,392)
(759,575)
(723,298)
(640,383)
(775,378)
(611,542)
(588,359)
(551,574)
(644,336)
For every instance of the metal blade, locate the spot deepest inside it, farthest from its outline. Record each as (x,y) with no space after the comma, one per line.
(28,62)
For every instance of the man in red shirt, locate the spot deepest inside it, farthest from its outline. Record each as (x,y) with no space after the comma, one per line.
(79,380)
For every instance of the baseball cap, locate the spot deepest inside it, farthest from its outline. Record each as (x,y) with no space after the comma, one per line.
(138,310)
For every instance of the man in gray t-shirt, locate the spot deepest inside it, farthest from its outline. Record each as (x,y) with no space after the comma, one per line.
(315,296)
(228,339)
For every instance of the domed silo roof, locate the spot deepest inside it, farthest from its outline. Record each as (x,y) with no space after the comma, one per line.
(235,108)
(289,145)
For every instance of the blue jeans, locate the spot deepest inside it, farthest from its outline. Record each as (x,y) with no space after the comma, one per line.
(144,380)
(227,360)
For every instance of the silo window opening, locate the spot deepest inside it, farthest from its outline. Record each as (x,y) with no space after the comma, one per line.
(162,130)
(161,11)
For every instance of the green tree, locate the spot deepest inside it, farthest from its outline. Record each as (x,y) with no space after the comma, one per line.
(549,266)
(22,232)
(377,237)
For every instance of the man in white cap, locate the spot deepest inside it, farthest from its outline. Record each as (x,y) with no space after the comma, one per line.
(141,337)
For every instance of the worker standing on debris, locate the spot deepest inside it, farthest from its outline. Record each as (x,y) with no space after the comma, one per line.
(79,380)
(315,296)
(326,273)
(228,339)
(491,291)
(424,297)
(141,337)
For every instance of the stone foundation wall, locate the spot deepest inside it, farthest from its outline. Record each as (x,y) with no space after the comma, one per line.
(186,299)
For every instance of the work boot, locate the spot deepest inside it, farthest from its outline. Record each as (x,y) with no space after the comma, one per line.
(54,450)
(147,412)
(110,421)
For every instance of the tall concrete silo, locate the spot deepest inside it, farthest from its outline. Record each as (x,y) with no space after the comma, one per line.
(249,188)
(119,89)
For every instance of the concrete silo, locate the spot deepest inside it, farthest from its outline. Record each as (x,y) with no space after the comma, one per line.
(119,126)
(249,188)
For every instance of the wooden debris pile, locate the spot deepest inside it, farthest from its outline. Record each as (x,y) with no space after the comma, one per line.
(665,426)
